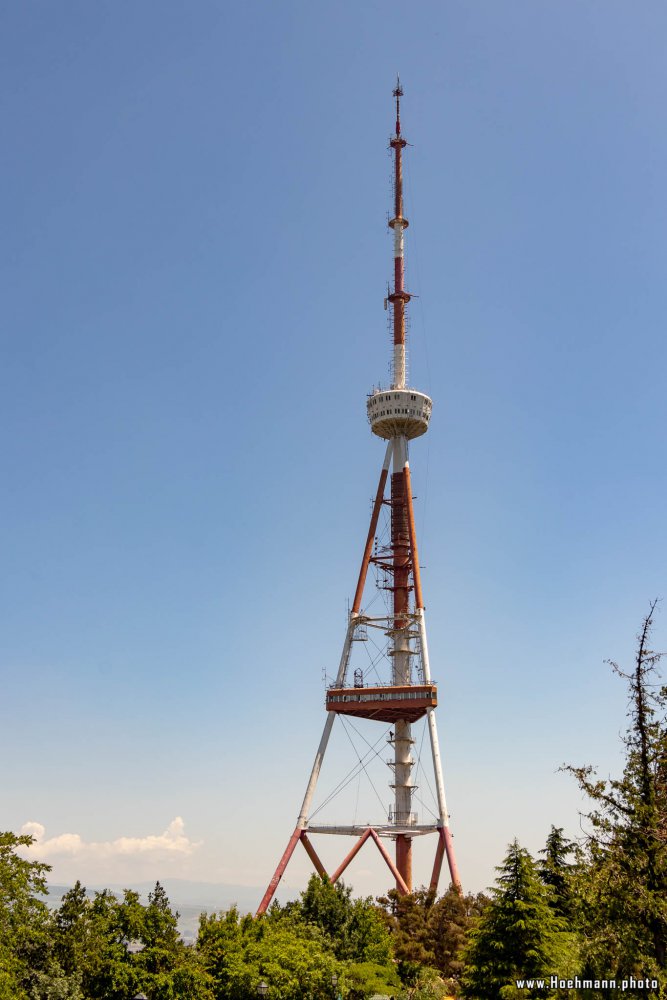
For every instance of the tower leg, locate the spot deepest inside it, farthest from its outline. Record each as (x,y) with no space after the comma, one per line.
(328,725)
(278,874)
(350,855)
(340,680)
(379,497)
(437,763)
(437,864)
(400,884)
(313,855)
(371,834)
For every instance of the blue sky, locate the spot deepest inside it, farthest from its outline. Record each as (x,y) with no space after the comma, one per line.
(193,199)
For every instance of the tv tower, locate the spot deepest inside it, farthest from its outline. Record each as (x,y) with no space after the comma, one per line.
(397,415)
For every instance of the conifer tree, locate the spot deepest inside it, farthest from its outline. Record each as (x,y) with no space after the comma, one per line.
(556,871)
(624,885)
(517,936)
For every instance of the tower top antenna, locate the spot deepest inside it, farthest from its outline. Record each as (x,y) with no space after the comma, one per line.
(398,94)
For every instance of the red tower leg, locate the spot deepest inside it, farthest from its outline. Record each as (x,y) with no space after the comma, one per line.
(279,872)
(379,497)
(355,850)
(370,834)
(312,854)
(437,864)
(400,883)
(451,859)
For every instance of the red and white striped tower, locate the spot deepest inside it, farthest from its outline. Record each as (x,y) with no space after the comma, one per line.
(397,414)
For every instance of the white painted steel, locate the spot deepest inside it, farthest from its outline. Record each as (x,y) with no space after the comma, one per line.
(340,681)
(382,829)
(402,675)
(432,727)
(328,725)
(398,240)
(399,412)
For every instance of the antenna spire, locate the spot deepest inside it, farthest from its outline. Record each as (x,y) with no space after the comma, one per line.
(399,297)
(398,94)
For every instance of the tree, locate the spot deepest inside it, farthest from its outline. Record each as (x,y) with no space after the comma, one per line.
(25,922)
(557,873)
(428,932)
(72,929)
(516,936)
(293,958)
(365,979)
(168,968)
(159,935)
(355,927)
(624,885)
(95,934)
(451,918)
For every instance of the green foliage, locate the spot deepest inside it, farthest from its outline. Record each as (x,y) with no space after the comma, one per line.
(622,887)
(427,986)
(114,948)
(428,932)
(56,985)
(355,928)
(293,958)
(517,934)
(364,979)
(557,873)
(25,922)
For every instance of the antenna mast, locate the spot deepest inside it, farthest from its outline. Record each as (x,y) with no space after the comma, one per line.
(397,415)
(399,297)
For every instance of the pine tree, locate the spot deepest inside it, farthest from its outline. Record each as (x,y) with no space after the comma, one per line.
(557,873)
(624,885)
(517,936)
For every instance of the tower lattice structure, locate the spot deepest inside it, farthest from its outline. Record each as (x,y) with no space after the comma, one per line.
(397,415)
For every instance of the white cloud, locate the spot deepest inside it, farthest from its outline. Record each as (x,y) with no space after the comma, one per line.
(172,843)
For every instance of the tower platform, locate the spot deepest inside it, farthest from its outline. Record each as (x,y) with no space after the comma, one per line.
(383,703)
(394,412)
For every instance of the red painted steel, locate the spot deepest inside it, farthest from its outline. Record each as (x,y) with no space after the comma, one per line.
(400,537)
(400,883)
(437,864)
(384,704)
(312,854)
(451,859)
(404,861)
(404,562)
(399,298)
(416,575)
(355,850)
(379,497)
(279,872)
(370,833)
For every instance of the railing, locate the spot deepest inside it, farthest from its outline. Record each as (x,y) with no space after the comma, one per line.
(425,688)
(355,694)
(403,818)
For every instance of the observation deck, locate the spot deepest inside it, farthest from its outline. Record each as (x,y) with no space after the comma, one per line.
(383,704)
(399,412)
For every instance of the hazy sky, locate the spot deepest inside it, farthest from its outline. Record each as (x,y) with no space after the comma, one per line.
(194,199)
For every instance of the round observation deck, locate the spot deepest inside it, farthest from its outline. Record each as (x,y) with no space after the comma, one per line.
(396,412)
